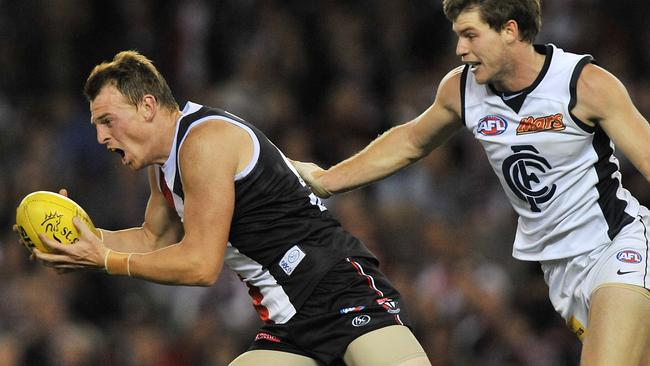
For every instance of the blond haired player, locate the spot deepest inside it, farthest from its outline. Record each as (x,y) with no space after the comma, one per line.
(221,192)
(548,121)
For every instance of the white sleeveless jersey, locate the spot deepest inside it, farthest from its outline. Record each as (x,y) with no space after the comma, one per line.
(559,173)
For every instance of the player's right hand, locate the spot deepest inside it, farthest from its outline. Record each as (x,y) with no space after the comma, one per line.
(15,229)
(311,173)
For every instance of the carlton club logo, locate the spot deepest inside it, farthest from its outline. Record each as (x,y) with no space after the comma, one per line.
(519,171)
(554,122)
(492,125)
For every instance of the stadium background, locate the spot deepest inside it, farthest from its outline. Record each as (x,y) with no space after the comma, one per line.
(321,78)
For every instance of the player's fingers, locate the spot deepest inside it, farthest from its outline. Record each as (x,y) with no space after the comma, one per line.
(302,167)
(83,228)
(296,164)
(20,237)
(51,245)
(63,269)
(41,256)
(59,267)
(51,259)
(68,268)
(65,261)
(317,188)
(310,173)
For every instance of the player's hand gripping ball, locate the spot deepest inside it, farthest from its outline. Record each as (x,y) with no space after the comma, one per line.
(51,214)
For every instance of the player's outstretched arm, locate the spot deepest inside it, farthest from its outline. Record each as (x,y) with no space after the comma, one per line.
(395,149)
(604,101)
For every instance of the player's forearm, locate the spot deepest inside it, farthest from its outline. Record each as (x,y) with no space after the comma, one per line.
(175,264)
(386,155)
(153,235)
(133,240)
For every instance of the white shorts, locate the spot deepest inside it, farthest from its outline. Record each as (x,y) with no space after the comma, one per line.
(624,260)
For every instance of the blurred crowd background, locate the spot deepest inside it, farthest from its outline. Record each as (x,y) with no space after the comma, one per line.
(321,79)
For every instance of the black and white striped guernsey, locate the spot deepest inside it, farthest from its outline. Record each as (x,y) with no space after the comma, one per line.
(282,239)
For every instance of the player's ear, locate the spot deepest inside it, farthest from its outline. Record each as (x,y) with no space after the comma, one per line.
(510,31)
(149,106)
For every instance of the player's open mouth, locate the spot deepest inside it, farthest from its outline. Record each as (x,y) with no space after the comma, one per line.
(473,65)
(119,151)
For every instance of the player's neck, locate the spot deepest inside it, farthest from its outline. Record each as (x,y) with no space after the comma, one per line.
(165,138)
(526,66)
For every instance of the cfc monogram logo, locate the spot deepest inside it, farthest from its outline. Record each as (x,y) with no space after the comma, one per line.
(519,172)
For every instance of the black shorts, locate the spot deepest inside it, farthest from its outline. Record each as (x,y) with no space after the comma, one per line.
(352,299)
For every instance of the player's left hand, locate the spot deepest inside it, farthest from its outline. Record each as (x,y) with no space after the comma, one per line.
(15,229)
(86,254)
(310,173)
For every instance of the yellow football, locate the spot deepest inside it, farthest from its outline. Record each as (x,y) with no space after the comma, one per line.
(51,214)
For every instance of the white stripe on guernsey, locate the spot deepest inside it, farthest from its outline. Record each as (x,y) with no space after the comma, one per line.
(274,299)
(191,107)
(256,143)
(169,182)
(371,280)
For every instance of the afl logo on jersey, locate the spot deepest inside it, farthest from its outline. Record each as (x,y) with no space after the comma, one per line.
(629,256)
(520,173)
(492,125)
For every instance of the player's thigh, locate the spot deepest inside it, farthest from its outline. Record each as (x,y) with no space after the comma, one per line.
(394,345)
(272,358)
(619,326)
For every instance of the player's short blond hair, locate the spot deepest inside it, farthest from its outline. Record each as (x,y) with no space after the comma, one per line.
(134,75)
